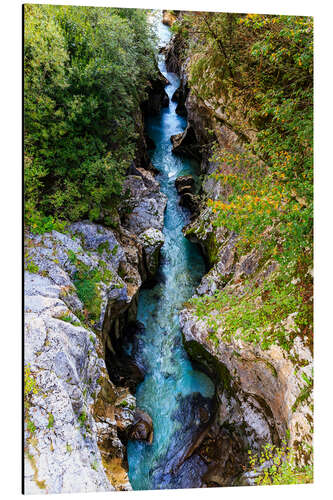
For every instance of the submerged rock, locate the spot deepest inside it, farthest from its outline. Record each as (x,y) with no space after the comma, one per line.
(182,467)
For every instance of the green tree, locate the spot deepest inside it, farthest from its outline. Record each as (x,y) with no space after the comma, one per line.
(86,71)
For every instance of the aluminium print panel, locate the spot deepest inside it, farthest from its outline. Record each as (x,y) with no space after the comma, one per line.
(168,169)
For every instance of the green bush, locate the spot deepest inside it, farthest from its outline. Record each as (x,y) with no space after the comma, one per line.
(51,421)
(68,319)
(283,469)
(86,283)
(30,384)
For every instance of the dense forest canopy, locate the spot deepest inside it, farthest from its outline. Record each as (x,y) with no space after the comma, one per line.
(85,72)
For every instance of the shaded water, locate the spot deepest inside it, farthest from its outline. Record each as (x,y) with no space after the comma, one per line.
(173,393)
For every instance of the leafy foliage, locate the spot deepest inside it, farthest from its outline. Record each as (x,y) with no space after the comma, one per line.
(30,384)
(256,73)
(50,421)
(257,316)
(68,319)
(30,264)
(86,283)
(282,468)
(85,70)
(30,388)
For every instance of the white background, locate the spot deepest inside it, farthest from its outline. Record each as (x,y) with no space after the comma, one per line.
(10,259)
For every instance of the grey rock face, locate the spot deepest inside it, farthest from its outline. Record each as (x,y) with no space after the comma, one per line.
(71,430)
(152,240)
(96,238)
(146,204)
(81,285)
(61,452)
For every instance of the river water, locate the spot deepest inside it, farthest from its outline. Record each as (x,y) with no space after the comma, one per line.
(176,396)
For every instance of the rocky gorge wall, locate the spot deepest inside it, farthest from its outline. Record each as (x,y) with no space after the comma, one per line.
(263,394)
(81,291)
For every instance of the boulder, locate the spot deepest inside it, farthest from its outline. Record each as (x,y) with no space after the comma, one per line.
(190,201)
(145,204)
(184,181)
(186,143)
(168,18)
(152,240)
(142,428)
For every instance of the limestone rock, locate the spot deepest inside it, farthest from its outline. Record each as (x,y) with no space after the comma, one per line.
(145,206)
(71,433)
(152,240)
(61,449)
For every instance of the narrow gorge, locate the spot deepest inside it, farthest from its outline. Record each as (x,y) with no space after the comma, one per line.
(178,398)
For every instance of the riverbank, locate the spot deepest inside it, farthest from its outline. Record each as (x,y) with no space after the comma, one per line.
(263,363)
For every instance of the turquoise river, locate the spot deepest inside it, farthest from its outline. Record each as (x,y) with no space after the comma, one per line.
(173,392)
